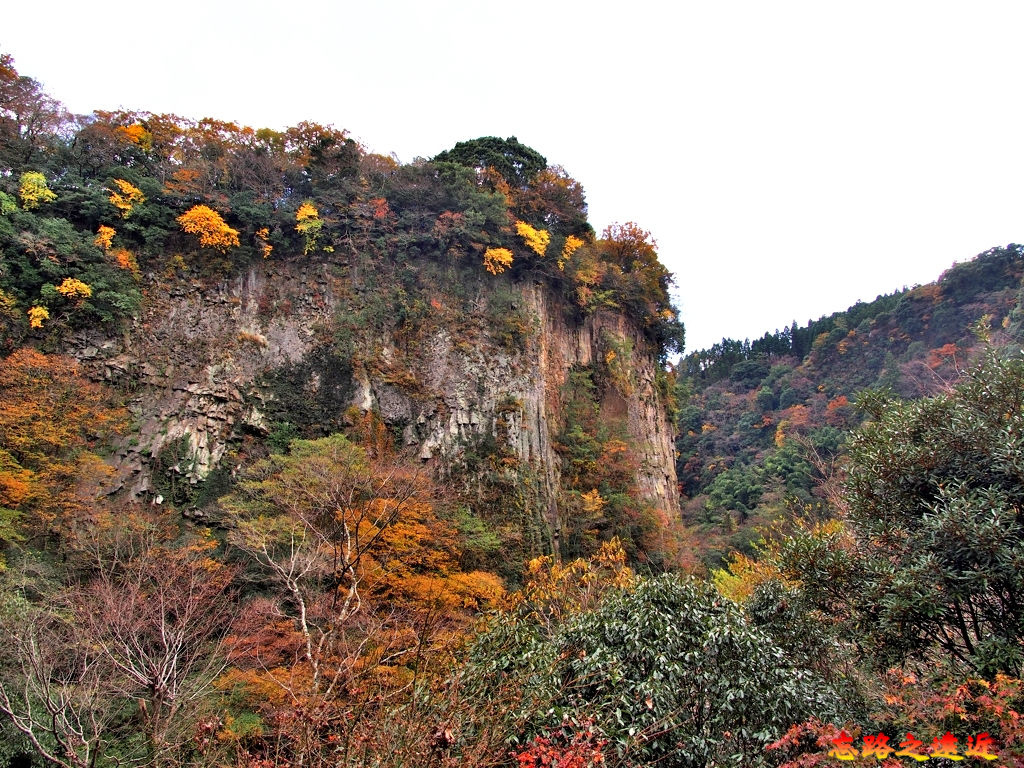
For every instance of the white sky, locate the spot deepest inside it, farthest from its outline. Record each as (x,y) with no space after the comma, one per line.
(789,157)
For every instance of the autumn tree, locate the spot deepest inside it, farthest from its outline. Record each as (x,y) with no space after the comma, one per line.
(367,576)
(309,225)
(29,118)
(209,227)
(158,618)
(125,196)
(497,260)
(104,237)
(52,422)
(555,199)
(34,191)
(536,240)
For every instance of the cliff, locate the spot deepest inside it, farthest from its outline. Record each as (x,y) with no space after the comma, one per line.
(287,346)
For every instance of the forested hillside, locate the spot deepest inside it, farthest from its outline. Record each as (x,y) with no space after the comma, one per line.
(312,458)
(764,421)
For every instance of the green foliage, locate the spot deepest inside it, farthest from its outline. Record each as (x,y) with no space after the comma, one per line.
(596,456)
(671,674)
(172,468)
(516,162)
(934,561)
(509,319)
(935,497)
(737,489)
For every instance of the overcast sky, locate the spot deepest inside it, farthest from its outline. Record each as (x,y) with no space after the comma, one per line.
(790,158)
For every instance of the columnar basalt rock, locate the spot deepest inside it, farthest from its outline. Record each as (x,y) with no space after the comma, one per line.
(197,363)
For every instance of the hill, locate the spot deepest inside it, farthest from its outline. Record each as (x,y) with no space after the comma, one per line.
(764,421)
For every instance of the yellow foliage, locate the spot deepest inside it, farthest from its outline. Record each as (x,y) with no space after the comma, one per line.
(34,191)
(554,591)
(572,244)
(306,212)
(104,237)
(497,260)
(36,315)
(536,239)
(263,236)
(592,501)
(125,197)
(309,225)
(212,230)
(742,576)
(74,289)
(780,433)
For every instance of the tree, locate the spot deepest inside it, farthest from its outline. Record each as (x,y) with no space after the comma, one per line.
(158,619)
(497,260)
(369,593)
(666,670)
(52,421)
(125,196)
(138,643)
(28,117)
(51,684)
(932,559)
(33,190)
(536,240)
(515,162)
(309,225)
(211,229)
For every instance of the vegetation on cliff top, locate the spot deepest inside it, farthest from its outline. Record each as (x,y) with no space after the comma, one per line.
(100,198)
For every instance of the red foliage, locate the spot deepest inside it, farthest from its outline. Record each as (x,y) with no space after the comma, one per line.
(569,747)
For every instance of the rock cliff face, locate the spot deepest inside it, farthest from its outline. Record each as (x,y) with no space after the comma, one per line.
(206,366)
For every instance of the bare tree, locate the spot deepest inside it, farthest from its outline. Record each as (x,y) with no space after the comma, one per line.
(52,684)
(138,646)
(158,621)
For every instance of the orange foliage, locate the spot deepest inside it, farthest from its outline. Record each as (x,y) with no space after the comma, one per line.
(208,225)
(838,411)
(263,238)
(943,354)
(184,181)
(137,134)
(50,420)
(104,237)
(126,260)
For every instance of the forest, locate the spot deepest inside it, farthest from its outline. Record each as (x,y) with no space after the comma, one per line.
(320,584)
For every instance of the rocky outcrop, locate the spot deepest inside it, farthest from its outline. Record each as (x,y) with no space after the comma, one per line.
(205,367)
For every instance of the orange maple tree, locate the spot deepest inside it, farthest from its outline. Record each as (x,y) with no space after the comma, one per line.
(210,227)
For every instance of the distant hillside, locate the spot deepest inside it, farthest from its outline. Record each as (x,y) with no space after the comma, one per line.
(751,410)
